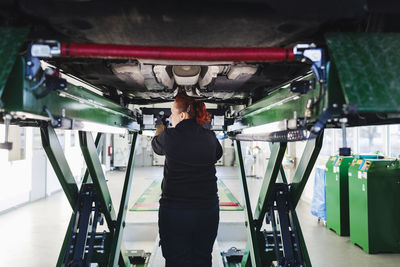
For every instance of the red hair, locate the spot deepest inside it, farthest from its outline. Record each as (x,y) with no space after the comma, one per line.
(195,109)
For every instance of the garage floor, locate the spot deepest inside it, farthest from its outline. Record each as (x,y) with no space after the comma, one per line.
(32,234)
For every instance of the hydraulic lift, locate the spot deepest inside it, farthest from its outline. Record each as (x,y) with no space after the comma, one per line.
(353,94)
(342,85)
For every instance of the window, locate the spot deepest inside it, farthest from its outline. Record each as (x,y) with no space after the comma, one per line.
(371,139)
(61,137)
(394,131)
(327,145)
(17,136)
(73,138)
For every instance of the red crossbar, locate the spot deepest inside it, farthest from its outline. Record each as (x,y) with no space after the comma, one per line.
(236,54)
(228,204)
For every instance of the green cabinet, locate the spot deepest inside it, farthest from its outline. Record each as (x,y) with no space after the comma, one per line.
(374,198)
(337,197)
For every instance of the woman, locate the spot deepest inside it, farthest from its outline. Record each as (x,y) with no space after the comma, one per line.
(189,210)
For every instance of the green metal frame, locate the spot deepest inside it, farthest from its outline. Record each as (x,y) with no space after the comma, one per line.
(305,166)
(76,103)
(56,156)
(10,42)
(281,104)
(252,249)
(270,177)
(123,207)
(96,173)
(86,179)
(362,77)
(116,253)
(255,254)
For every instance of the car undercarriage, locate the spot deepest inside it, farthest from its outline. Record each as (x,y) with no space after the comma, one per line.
(293,67)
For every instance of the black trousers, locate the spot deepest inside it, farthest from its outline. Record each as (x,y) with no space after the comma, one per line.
(187,235)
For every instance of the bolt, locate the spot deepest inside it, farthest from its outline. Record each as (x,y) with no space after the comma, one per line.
(29,63)
(30,77)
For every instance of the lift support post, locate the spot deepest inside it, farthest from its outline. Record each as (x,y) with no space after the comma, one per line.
(86,179)
(258,251)
(94,176)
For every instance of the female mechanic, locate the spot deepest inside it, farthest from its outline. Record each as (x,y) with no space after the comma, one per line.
(189,206)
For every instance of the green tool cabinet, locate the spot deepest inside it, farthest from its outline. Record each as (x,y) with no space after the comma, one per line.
(337,196)
(374,197)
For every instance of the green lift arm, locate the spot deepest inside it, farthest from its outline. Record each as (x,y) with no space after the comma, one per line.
(362,86)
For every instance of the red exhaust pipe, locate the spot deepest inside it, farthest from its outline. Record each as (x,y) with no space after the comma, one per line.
(236,54)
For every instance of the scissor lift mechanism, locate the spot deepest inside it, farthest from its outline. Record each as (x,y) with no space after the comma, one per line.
(337,93)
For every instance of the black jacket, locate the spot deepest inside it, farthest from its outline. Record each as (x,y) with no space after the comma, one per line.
(191,152)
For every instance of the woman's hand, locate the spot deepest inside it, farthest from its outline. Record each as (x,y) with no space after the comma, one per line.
(159,129)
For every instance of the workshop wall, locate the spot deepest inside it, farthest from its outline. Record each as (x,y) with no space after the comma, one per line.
(26,172)
(16,168)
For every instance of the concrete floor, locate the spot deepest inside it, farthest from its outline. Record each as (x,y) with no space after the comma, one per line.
(32,234)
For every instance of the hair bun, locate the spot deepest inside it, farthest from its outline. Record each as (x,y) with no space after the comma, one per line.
(202,116)
(196,109)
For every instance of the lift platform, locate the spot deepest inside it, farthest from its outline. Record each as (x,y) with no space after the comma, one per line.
(353,82)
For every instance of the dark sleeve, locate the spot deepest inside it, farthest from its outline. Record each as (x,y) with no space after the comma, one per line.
(158,144)
(219,149)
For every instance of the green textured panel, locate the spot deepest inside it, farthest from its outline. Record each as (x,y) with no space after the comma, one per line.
(74,103)
(280,105)
(368,67)
(10,43)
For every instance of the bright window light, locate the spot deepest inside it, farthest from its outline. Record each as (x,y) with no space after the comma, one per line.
(97,127)
(148,133)
(266,128)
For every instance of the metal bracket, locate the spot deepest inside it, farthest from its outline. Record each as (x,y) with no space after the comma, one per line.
(32,67)
(309,52)
(56,122)
(50,79)
(323,119)
(45,49)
